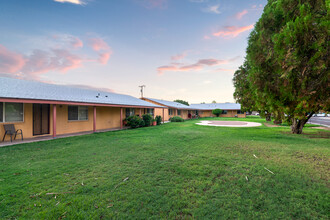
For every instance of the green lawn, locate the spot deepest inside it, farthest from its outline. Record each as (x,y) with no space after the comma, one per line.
(176,171)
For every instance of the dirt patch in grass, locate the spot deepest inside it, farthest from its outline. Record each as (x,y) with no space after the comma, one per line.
(314,134)
(319,162)
(271,125)
(323,128)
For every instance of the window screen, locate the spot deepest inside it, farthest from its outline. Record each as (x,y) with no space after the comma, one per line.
(13,112)
(1,111)
(78,113)
(150,111)
(130,112)
(73,113)
(83,113)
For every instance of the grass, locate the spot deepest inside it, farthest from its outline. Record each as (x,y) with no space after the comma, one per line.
(176,171)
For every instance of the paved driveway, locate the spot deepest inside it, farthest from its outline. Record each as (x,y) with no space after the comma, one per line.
(325,121)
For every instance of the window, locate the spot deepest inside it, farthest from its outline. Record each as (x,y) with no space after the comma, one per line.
(11,112)
(224,112)
(179,112)
(130,112)
(77,113)
(196,112)
(1,111)
(170,111)
(240,112)
(150,111)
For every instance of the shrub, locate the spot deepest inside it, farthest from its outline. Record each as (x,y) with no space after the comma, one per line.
(176,119)
(159,119)
(216,112)
(147,118)
(135,121)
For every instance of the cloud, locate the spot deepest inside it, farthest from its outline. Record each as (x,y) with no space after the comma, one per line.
(98,44)
(10,62)
(212,9)
(54,60)
(77,2)
(239,15)
(76,42)
(232,31)
(206,37)
(202,63)
(103,49)
(104,57)
(63,54)
(179,56)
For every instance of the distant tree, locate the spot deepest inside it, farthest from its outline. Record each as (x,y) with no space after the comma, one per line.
(288,59)
(216,112)
(214,101)
(181,101)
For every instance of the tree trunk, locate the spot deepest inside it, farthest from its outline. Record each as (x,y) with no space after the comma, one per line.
(268,117)
(298,125)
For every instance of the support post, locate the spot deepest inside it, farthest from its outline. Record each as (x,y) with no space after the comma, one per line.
(163,115)
(94,118)
(140,112)
(121,118)
(54,120)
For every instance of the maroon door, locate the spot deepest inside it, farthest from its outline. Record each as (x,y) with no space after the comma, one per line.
(40,119)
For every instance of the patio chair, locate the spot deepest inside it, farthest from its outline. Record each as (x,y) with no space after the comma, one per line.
(10,130)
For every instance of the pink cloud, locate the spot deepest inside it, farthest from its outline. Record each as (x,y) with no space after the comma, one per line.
(179,56)
(60,58)
(232,31)
(98,44)
(57,60)
(10,62)
(103,49)
(76,42)
(239,15)
(206,37)
(104,57)
(192,67)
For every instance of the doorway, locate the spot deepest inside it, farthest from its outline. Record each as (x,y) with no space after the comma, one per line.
(41,119)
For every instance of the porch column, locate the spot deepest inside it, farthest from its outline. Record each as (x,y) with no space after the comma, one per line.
(94,118)
(140,112)
(163,115)
(121,118)
(54,120)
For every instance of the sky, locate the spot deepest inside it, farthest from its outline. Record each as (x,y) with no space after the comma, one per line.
(178,49)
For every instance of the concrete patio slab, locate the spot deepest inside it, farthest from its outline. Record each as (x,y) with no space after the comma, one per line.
(229,123)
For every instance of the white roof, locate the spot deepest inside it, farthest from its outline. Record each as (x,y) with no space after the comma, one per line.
(170,104)
(25,89)
(222,106)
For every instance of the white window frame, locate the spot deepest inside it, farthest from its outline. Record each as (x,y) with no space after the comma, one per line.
(79,106)
(170,111)
(4,113)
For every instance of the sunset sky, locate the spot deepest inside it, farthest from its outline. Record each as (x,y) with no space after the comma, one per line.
(179,49)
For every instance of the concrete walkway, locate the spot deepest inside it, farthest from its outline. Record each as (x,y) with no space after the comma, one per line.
(50,137)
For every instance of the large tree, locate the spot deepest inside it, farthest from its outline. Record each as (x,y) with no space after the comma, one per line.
(288,59)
